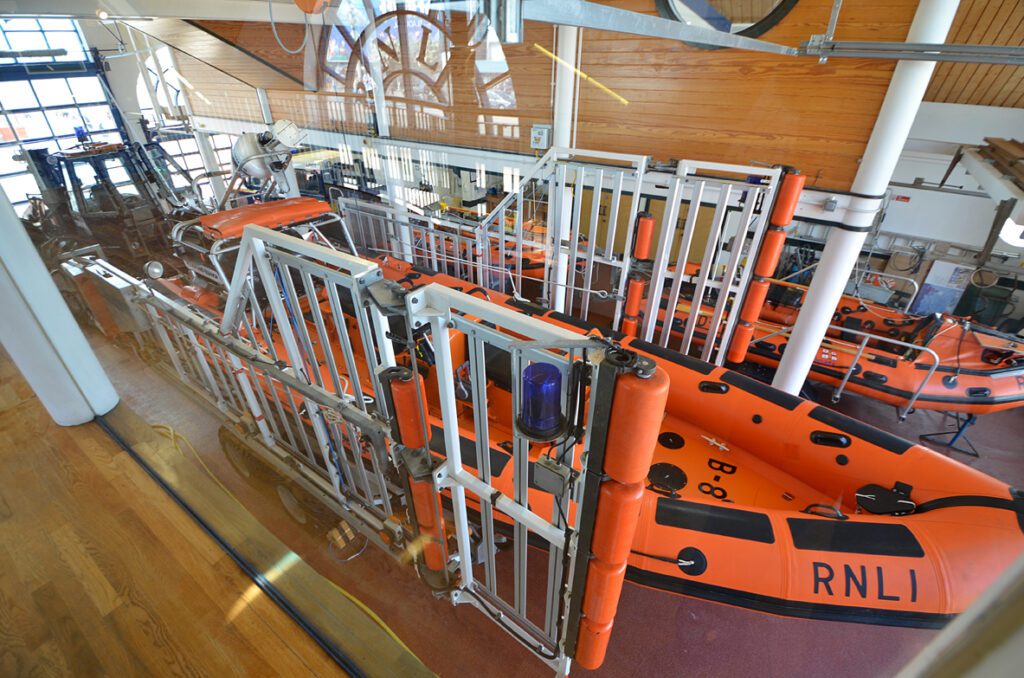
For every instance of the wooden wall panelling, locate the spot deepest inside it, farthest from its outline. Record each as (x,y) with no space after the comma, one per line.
(220,54)
(983,23)
(217,94)
(256,38)
(737,106)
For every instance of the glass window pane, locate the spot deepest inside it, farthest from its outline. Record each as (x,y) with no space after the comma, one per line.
(28,41)
(57,24)
(64,121)
(98,118)
(68,42)
(19,24)
(8,165)
(118,175)
(53,92)
(30,125)
(86,90)
(188,146)
(107,138)
(19,187)
(17,94)
(4,46)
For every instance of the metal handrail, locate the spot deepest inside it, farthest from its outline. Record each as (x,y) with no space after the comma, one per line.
(867,336)
(864,273)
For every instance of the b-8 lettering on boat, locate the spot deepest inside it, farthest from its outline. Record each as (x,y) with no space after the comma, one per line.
(865,582)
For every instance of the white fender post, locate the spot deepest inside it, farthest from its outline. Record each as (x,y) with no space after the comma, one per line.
(39,333)
(903,99)
(566,43)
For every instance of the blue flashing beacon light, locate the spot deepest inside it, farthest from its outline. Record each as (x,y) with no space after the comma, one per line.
(540,412)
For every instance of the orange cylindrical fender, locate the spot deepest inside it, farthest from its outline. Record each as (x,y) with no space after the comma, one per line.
(789,195)
(631,310)
(757,293)
(771,250)
(638,407)
(406,395)
(601,594)
(593,643)
(767,260)
(740,341)
(634,295)
(644,236)
(615,511)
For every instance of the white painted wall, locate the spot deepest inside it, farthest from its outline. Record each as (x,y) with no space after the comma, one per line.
(937,132)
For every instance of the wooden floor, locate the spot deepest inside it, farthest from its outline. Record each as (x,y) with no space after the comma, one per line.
(102,574)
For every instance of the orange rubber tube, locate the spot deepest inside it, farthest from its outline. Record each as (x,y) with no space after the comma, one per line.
(631,310)
(638,408)
(644,236)
(424,498)
(634,295)
(767,260)
(789,195)
(771,250)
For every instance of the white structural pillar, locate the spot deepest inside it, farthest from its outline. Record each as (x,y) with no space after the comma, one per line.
(566,42)
(41,335)
(562,119)
(902,100)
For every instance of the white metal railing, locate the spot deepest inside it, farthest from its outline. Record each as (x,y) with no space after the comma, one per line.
(575,254)
(858,350)
(738,200)
(300,353)
(863,275)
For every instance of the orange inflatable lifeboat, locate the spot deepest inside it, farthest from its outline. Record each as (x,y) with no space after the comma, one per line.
(843,521)
(764,500)
(980,369)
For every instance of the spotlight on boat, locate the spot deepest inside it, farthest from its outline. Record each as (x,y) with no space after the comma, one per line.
(540,410)
(153,269)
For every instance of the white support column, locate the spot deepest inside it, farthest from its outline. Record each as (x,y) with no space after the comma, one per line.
(567,38)
(842,249)
(41,335)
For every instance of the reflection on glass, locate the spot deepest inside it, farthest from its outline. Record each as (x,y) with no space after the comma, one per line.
(422,62)
(17,94)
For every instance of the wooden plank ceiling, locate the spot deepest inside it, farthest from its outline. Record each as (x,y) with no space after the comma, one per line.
(983,22)
(252,63)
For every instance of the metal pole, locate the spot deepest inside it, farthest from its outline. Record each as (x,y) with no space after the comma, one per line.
(902,101)
(565,84)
